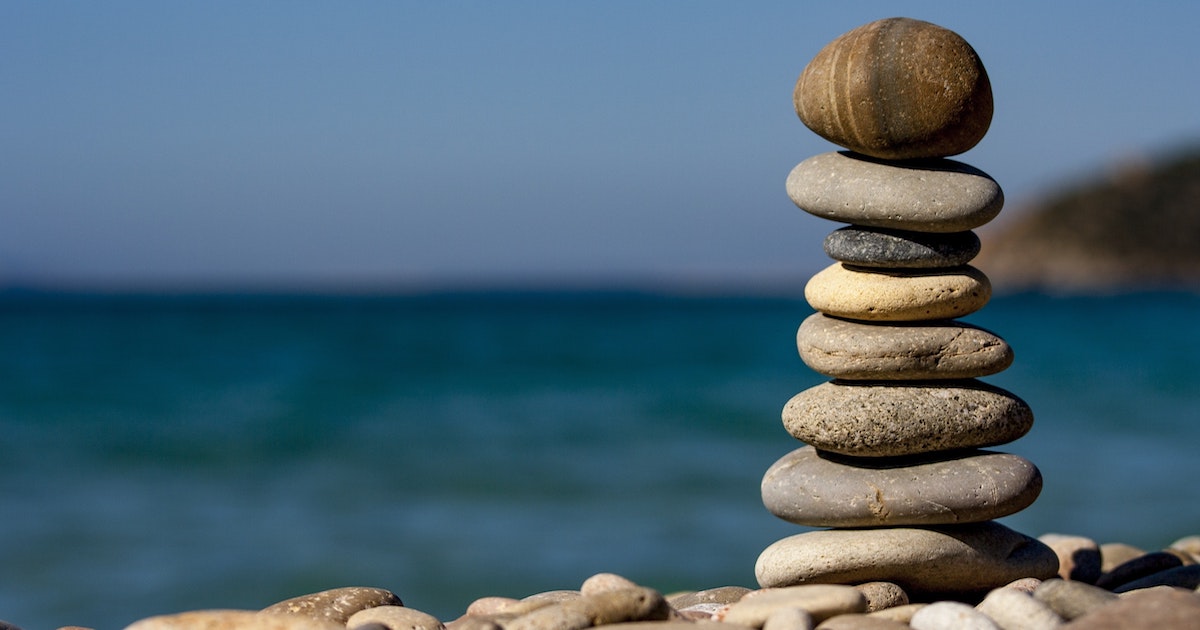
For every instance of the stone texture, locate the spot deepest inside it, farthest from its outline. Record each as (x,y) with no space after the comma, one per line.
(901,418)
(961,559)
(604,582)
(821,601)
(1189,545)
(1137,568)
(881,595)
(879,247)
(926,196)
(903,614)
(897,88)
(233,620)
(1072,599)
(336,604)
(1078,557)
(898,296)
(1182,577)
(394,618)
(1016,610)
(951,616)
(719,595)
(823,490)
(1159,609)
(789,619)
(856,350)
(861,622)
(608,607)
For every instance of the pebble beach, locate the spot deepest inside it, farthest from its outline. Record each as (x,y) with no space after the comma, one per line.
(1110,585)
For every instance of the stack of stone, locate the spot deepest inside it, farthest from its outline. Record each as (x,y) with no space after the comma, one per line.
(893,464)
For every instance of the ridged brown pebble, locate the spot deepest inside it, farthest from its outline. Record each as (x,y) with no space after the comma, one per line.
(879,247)
(881,595)
(925,196)
(897,88)
(336,604)
(233,620)
(944,349)
(959,559)
(818,489)
(889,419)
(820,601)
(898,295)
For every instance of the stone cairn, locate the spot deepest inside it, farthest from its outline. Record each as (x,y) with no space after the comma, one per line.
(893,465)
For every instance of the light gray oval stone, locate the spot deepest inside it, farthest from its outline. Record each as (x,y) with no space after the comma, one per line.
(808,487)
(1072,599)
(951,616)
(923,196)
(880,247)
(888,419)
(948,560)
(1016,610)
(858,350)
(898,295)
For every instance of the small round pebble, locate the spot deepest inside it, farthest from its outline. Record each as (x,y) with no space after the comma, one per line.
(880,247)
(789,619)
(898,296)
(897,88)
(949,615)
(605,582)
(1189,545)
(881,595)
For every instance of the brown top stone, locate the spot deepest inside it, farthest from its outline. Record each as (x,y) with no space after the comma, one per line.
(897,89)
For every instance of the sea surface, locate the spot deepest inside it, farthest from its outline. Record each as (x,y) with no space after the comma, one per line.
(168,453)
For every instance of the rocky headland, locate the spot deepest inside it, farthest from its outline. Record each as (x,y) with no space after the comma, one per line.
(1134,228)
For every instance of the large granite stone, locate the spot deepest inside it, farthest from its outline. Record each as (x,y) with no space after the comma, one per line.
(880,247)
(952,560)
(897,88)
(924,196)
(823,490)
(898,295)
(909,351)
(889,419)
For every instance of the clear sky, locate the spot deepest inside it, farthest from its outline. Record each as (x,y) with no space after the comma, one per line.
(326,144)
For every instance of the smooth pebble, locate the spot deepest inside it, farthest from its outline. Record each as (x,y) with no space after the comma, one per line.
(897,296)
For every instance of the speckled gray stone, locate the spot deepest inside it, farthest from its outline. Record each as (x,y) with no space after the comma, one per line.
(823,490)
(941,349)
(336,604)
(952,559)
(888,419)
(879,247)
(922,196)
(898,295)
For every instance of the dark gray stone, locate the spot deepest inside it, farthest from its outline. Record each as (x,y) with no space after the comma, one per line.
(822,490)
(879,247)
(857,350)
(896,418)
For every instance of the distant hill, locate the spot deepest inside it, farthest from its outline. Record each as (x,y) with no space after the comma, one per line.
(1136,229)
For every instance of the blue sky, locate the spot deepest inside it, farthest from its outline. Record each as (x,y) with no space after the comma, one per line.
(399,144)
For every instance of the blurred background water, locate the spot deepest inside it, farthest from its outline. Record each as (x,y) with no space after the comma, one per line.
(166,453)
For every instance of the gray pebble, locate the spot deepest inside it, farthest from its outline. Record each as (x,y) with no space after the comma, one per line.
(879,247)
(1014,610)
(932,196)
(1072,599)
(951,616)
(812,488)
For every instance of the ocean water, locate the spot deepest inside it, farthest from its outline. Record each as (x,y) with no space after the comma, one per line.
(168,453)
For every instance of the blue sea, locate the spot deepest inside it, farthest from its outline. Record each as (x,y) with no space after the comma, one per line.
(168,453)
